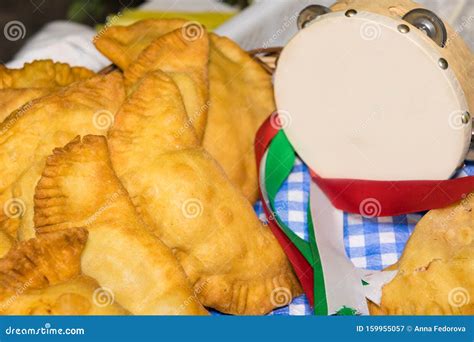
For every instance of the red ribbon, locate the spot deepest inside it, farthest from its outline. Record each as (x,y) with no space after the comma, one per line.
(379,198)
(302,268)
(366,197)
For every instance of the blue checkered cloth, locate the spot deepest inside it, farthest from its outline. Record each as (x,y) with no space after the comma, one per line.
(371,243)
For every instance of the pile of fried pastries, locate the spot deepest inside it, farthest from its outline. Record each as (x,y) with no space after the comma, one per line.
(130,191)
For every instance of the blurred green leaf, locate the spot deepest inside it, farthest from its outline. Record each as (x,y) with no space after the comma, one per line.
(84,10)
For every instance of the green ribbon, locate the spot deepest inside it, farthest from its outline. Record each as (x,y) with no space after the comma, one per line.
(280,160)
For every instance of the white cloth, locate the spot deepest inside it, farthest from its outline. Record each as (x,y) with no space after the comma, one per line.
(62,41)
(186,6)
(266,23)
(68,42)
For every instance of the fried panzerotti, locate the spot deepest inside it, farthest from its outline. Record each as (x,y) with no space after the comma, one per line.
(234,262)
(41,262)
(6,243)
(185,59)
(36,79)
(41,277)
(42,74)
(123,44)
(435,272)
(175,46)
(241,98)
(30,133)
(78,296)
(11,99)
(240,94)
(79,188)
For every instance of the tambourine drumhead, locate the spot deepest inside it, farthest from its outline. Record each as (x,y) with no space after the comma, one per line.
(360,97)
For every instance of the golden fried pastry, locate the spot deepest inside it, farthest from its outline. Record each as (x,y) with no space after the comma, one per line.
(11,99)
(79,188)
(185,59)
(79,296)
(435,272)
(41,262)
(241,94)
(6,243)
(123,44)
(11,210)
(41,277)
(42,74)
(36,79)
(30,133)
(241,98)
(184,197)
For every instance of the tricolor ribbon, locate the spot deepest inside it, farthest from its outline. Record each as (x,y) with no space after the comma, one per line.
(313,259)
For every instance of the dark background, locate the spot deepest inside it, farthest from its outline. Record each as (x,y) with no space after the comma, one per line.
(33,14)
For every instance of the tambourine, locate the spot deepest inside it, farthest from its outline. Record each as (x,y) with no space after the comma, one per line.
(375,97)
(364,95)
